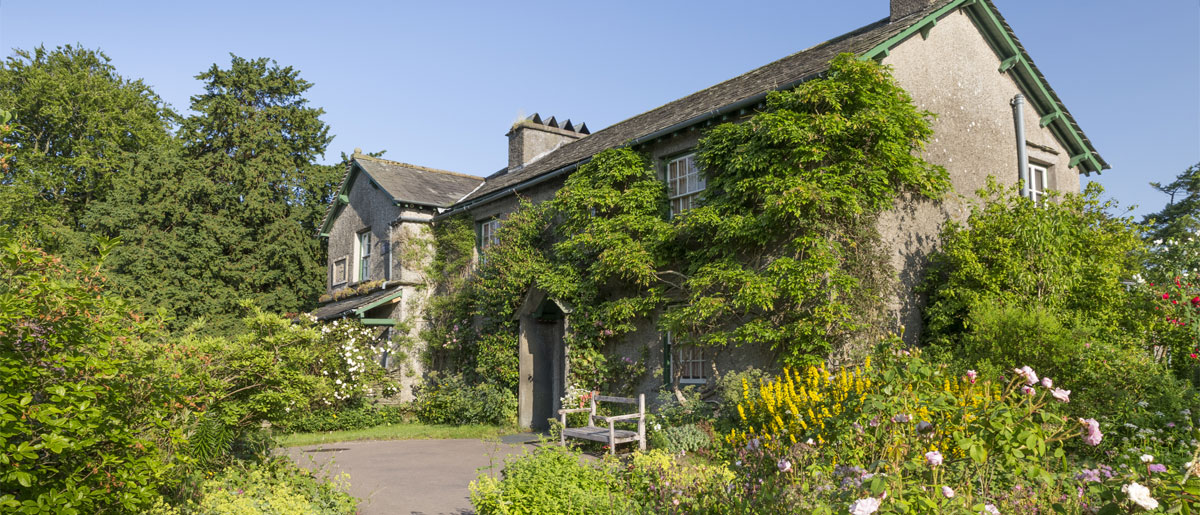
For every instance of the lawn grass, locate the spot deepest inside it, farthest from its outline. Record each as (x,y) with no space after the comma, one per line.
(402,431)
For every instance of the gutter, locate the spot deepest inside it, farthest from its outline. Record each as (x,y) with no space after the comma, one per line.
(726,109)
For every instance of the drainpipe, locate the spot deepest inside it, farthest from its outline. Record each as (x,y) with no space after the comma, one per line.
(387,273)
(1018,105)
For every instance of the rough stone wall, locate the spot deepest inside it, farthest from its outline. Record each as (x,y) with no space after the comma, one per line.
(401,250)
(954,74)
(528,141)
(370,207)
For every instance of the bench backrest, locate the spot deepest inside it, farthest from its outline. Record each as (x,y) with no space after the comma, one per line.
(640,401)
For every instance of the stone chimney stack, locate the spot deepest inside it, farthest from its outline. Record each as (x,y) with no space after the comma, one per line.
(902,8)
(531,138)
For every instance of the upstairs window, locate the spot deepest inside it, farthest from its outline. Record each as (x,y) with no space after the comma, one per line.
(339,271)
(364,255)
(684,183)
(1037,182)
(488,233)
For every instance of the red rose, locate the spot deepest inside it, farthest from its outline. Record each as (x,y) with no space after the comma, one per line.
(1195,301)
(1166,296)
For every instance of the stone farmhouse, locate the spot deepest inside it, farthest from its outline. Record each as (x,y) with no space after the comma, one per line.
(997,116)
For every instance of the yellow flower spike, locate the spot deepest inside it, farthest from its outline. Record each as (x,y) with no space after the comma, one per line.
(792,438)
(741,412)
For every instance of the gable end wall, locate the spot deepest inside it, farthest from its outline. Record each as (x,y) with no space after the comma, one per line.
(955,74)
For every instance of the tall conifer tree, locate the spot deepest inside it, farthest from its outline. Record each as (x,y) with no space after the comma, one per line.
(232,215)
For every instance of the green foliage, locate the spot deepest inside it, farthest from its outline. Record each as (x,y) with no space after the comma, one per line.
(451,400)
(682,439)
(1066,255)
(277,370)
(664,483)
(344,419)
(1111,379)
(1178,220)
(549,480)
(84,428)
(274,487)
(79,126)
(783,251)
(229,214)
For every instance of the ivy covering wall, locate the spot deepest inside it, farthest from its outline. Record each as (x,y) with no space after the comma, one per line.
(782,252)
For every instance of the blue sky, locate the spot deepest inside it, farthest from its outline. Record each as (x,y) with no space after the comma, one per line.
(439,83)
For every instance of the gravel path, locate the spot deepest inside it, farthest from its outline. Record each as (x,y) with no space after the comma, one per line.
(411,476)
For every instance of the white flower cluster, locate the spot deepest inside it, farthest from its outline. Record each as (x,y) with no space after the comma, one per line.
(354,358)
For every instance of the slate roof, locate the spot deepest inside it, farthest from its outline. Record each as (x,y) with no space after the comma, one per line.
(781,74)
(340,308)
(414,184)
(791,69)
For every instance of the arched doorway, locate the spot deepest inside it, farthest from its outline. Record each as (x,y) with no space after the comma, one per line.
(541,360)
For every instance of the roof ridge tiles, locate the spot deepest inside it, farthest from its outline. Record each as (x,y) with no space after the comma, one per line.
(417,167)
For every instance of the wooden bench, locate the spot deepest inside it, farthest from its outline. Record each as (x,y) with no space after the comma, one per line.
(610,435)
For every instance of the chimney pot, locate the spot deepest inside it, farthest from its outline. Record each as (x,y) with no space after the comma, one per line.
(532,138)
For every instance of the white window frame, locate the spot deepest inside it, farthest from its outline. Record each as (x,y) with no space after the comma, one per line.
(488,233)
(362,253)
(1036,193)
(335,279)
(684,190)
(689,359)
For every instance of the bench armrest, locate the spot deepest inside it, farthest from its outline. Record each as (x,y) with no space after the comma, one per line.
(573,410)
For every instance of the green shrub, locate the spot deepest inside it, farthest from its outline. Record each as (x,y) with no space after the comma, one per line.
(729,387)
(550,480)
(277,371)
(682,439)
(345,419)
(450,400)
(84,426)
(663,483)
(1066,255)
(276,487)
(1109,378)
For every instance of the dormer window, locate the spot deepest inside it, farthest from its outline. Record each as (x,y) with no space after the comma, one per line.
(684,183)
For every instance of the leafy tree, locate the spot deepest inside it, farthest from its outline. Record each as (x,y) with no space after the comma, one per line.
(78,125)
(231,214)
(83,426)
(1178,220)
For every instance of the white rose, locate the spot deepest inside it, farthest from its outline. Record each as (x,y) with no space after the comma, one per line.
(1140,495)
(865,506)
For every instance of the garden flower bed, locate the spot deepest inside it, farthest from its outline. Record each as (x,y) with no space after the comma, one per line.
(898,434)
